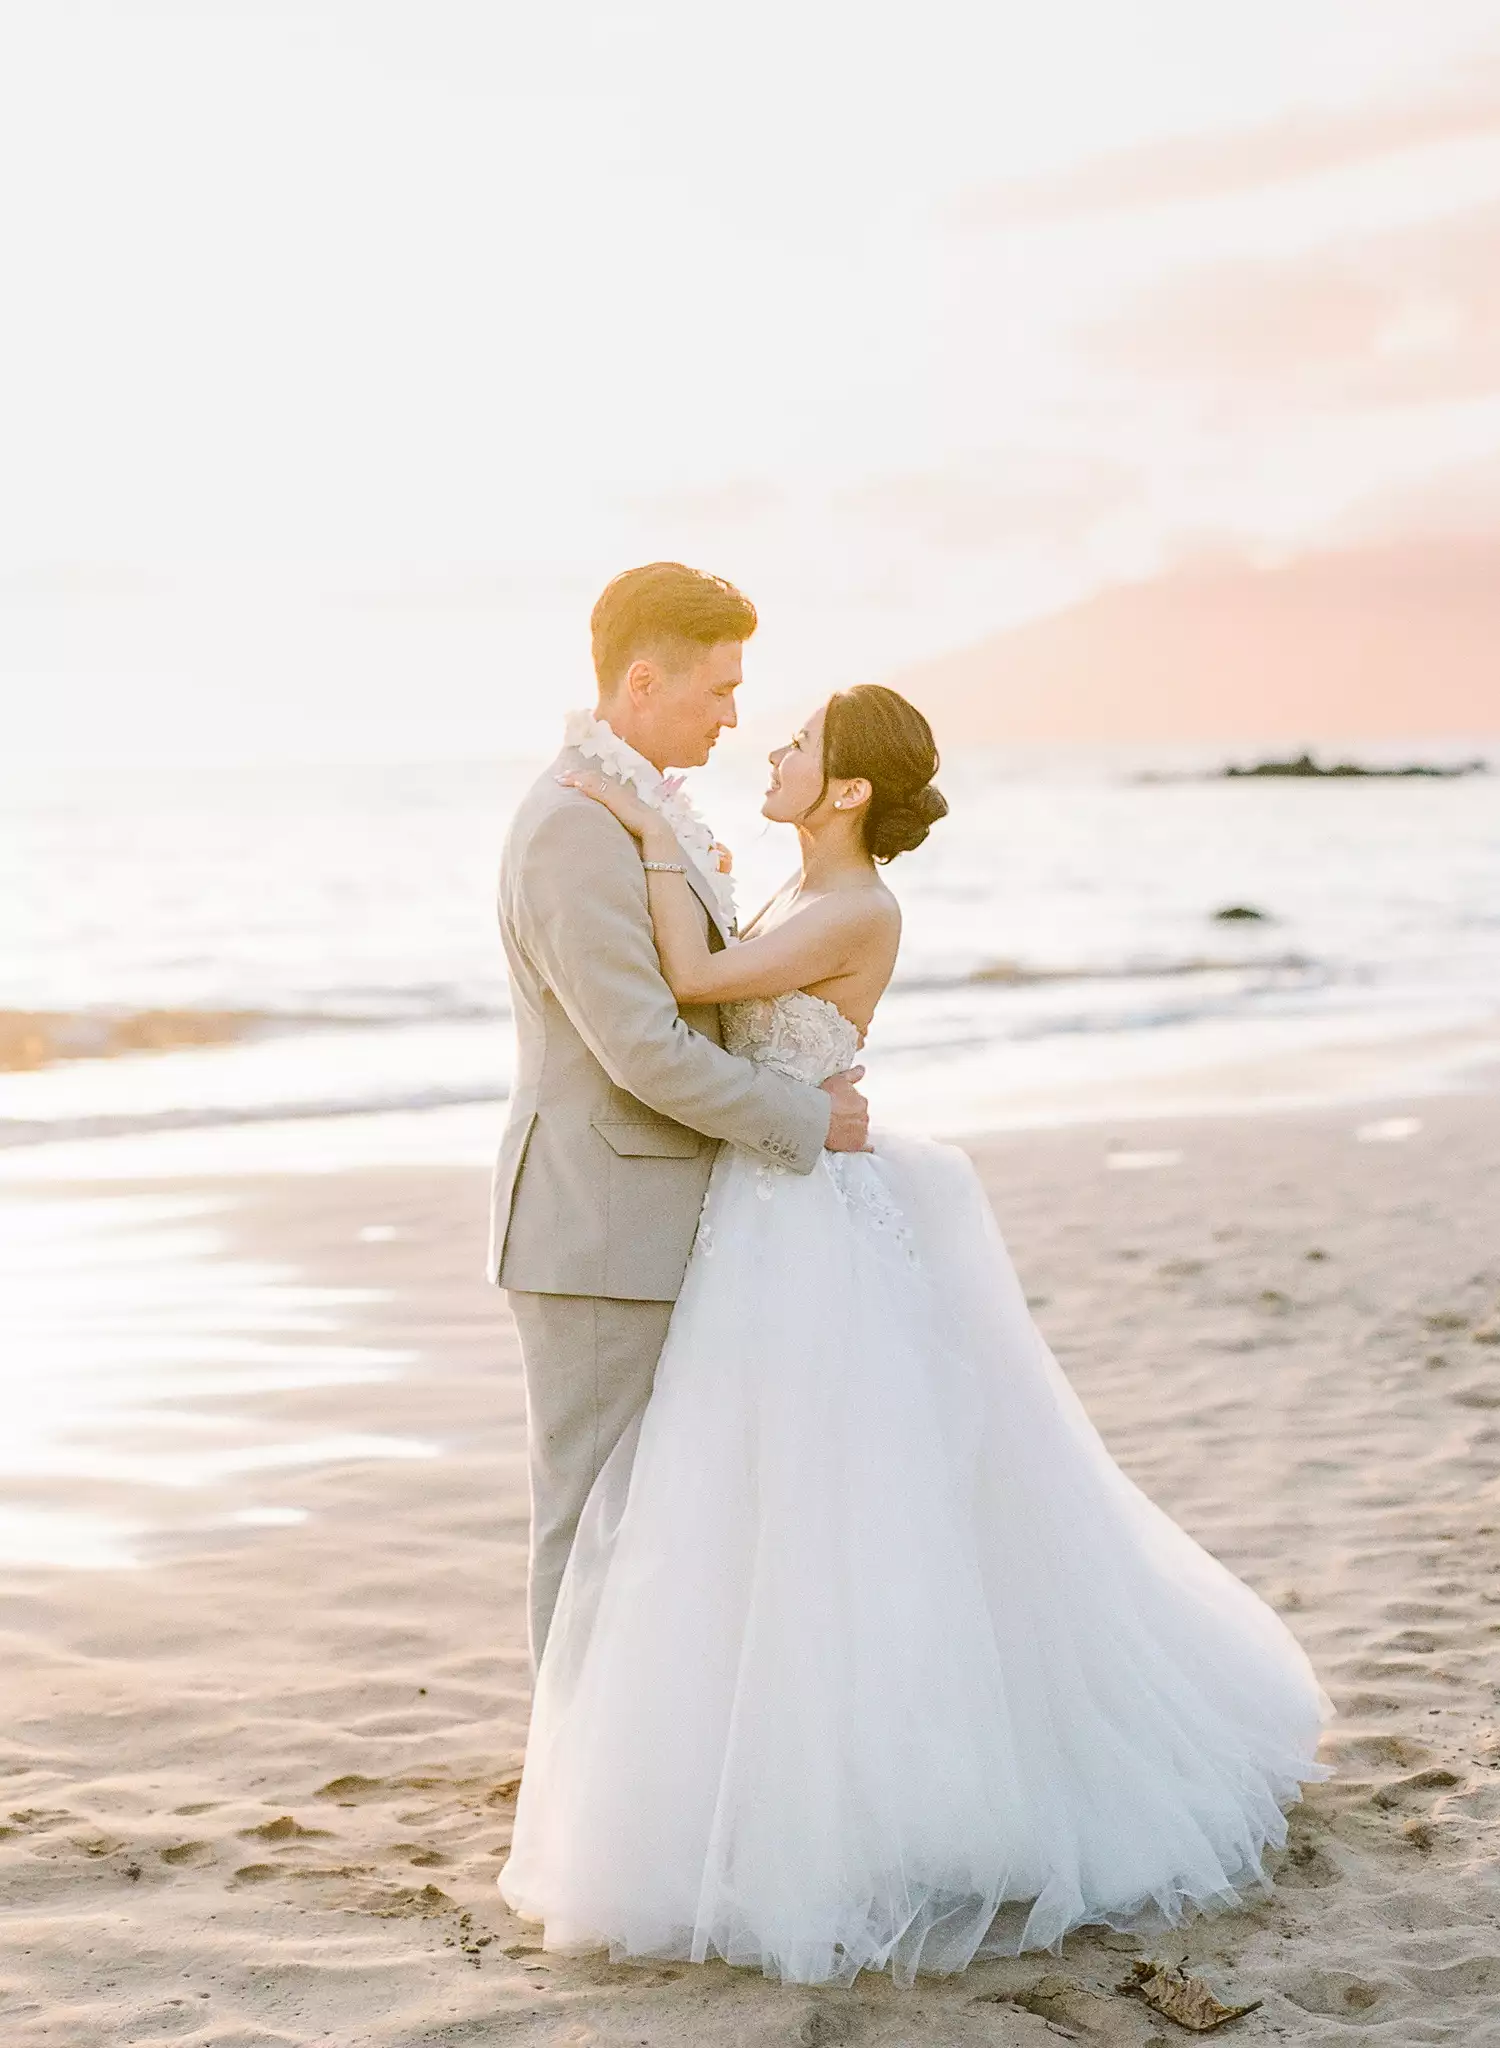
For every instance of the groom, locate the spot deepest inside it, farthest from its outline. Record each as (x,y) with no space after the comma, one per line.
(620,1100)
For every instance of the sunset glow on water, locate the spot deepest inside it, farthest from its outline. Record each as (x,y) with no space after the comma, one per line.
(141,1362)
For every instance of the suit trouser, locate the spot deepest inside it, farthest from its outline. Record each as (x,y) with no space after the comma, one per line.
(588,1363)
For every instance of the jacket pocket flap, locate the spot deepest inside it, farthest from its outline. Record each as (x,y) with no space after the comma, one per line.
(649,1140)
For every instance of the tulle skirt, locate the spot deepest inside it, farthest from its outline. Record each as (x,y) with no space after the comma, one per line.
(868,1655)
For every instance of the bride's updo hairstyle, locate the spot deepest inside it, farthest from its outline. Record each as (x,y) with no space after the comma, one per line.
(873,733)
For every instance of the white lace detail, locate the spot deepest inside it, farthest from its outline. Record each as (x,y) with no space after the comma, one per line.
(704,1240)
(598,741)
(866,1195)
(801,1036)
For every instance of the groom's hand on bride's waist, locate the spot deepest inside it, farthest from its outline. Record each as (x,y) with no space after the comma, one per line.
(849,1125)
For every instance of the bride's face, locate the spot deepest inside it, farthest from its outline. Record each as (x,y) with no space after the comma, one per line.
(796,774)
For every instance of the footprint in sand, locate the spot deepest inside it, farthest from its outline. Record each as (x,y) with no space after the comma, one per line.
(261,1873)
(402,1902)
(824,2026)
(1416,1642)
(1478,1803)
(37,1820)
(418,1853)
(187,1853)
(1337,1994)
(353,1790)
(1479,1973)
(1305,1866)
(1384,1667)
(285,1829)
(1417,1787)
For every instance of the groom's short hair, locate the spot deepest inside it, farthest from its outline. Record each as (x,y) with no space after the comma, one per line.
(662,607)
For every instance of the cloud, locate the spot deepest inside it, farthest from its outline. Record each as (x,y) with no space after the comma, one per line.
(1005,495)
(1194,167)
(739,504)
(1460,504)
(70,581)
(1408,316)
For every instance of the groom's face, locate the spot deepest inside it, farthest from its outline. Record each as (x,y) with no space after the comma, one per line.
(692,702)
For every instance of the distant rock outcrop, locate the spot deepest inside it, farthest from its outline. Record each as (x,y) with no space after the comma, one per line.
(1304,764)
(1390,639)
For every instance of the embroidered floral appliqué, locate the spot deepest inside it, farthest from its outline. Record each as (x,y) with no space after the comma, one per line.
(799,1035)
(866,1196)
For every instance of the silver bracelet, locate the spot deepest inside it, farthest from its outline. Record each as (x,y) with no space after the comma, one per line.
(664,867)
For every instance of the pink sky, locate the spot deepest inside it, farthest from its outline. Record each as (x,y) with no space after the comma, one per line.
(361,342)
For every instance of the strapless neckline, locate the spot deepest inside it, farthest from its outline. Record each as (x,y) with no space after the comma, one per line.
(801,1035)
(805,995)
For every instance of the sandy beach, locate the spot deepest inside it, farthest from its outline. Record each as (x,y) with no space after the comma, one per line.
(263,1729)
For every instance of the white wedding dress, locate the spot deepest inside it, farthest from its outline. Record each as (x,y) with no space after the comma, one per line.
(868,1655)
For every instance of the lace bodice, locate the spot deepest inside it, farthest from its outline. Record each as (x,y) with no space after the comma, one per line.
(799,1035)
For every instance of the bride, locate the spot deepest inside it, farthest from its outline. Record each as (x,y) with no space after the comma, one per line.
(867,1654)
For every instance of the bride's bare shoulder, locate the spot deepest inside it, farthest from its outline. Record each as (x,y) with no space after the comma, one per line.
(866,912)
(786,891)
(875,907)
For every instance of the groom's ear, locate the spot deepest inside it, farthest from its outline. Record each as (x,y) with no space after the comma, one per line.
(640,680)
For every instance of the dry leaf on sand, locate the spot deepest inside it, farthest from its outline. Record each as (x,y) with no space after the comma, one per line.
(1177,1996)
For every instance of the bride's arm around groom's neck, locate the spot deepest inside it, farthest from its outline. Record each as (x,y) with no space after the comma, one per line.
(578,906)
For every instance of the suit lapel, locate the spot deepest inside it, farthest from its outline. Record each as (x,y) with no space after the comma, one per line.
(698,883)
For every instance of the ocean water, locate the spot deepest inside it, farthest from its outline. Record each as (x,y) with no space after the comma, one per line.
(1060,936)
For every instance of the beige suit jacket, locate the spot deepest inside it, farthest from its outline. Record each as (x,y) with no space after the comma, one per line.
(620,1101)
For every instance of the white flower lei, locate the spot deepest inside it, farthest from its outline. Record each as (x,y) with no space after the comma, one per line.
(598,741)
